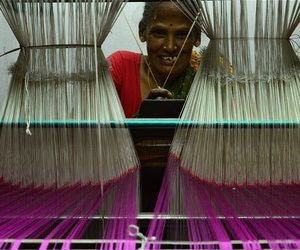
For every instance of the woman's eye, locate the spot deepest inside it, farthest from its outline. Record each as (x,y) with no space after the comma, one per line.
(181,35)
(159,33)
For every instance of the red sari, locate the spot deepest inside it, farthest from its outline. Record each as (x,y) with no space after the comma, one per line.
(125,72)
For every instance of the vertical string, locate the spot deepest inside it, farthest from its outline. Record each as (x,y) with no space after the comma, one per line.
(27,104)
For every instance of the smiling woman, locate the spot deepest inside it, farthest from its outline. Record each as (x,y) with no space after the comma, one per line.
(166,71)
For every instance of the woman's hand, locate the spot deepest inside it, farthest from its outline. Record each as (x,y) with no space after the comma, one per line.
(159,93)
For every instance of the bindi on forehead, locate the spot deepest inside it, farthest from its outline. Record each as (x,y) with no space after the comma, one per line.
(171,24)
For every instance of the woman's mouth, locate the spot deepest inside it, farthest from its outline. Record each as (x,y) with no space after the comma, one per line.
(168,60)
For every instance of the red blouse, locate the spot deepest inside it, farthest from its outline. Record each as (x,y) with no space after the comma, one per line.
(125,71)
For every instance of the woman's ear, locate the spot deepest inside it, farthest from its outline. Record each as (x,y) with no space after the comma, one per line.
(197,42)
(142,32)
(198,38)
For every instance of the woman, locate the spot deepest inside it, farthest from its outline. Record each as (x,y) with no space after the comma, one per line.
(164,28)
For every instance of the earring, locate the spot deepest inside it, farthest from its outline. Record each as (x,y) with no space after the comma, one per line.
(197,44)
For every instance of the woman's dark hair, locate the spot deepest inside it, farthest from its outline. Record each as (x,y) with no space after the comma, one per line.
(148,10)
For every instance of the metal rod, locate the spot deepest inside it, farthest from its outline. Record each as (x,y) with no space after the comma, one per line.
(183,243)
(158,123)
(150,216)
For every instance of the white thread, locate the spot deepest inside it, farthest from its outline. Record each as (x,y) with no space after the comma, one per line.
(27,105)
(140,48)
(182,47)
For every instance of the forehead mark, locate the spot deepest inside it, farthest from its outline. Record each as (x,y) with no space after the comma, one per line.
(171,24)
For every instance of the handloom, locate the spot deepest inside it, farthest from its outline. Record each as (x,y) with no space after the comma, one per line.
(233,174)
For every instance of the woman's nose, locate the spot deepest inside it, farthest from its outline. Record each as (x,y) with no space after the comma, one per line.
(170,44)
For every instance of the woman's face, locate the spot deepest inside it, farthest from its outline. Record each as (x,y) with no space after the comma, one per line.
(165,35)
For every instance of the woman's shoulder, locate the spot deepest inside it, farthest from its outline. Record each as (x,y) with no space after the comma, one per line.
(125,57)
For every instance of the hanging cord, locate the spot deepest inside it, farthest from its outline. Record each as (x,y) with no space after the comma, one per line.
(136,40)
(95,43)
(134,231)
(96,71)
(50,46)
(27,102)
(9,52)
(27,105)
(190,31)
(61,46)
